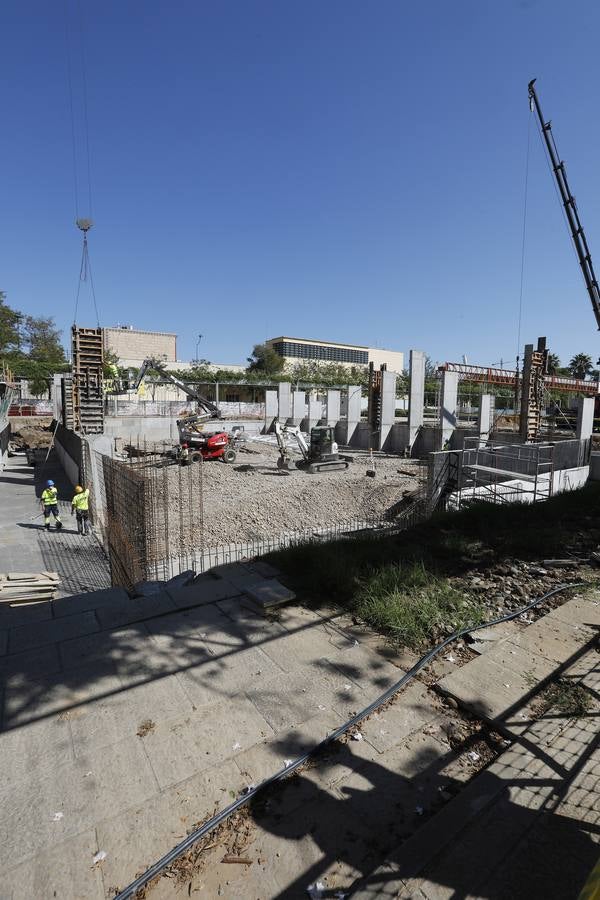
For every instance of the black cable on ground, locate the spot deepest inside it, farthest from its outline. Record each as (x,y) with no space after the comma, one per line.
(252,792)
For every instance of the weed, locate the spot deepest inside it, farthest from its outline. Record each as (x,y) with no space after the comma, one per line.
(568,697)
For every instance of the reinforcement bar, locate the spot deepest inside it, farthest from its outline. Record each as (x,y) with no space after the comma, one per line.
(194,836)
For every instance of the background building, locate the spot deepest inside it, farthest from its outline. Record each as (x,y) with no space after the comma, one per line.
(133,346)
(298,350)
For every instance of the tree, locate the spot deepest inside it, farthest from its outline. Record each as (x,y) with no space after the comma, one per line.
(42,340)
(264,359)
(9,327)
(110,364)
(553,363)
(580,365)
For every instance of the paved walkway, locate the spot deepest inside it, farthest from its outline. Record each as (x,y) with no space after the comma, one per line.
(25,545)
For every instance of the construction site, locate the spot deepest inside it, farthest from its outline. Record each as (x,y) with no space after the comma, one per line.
(328,640)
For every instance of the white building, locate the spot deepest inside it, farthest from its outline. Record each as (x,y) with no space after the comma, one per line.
(296,350)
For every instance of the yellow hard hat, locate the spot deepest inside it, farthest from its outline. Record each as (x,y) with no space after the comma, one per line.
(78,489)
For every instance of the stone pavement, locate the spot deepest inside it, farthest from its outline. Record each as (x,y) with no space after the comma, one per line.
(529,825)
(25,546)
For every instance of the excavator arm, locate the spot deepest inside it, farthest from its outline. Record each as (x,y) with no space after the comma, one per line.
(576,228)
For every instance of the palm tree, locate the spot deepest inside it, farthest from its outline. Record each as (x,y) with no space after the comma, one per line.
(580,365)
(553,363)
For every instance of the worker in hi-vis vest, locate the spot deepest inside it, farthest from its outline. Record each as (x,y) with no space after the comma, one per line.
(49,500)
(80,506)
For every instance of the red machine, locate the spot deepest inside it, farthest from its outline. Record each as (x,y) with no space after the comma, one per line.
(211,446)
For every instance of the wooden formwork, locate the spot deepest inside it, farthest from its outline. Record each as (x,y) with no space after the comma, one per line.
(88,399)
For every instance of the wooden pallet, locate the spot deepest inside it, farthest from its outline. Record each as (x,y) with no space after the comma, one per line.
(25,587)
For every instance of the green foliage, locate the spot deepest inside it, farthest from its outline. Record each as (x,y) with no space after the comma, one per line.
(580,365)
(265,360)
(568,697)
(553,363)
(9,327)
(313,372)
(41,340)
(111,364)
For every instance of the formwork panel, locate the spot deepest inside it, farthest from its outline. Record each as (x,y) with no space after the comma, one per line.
(87,387)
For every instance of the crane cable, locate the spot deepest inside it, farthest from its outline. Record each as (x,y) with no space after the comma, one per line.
(524,235)
(84,224)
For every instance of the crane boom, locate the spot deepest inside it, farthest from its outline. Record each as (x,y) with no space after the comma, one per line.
(210,410)
(570,207)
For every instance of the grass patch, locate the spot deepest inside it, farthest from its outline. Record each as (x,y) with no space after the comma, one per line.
(410,604)
(397,583)
(568,697)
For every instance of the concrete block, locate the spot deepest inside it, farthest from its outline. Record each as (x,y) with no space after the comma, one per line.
(485,417)
(595,467)
(448,405)
(284,393)
(271,410)
(416,395)
(585,418)
(353,411)
(333,407)
(388,408)
(315,412)
(180,748)
(298,407)
(269,593)
(265,569)
(26,637)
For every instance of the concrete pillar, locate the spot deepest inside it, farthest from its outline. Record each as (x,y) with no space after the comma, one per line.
(352,412)
(315,408)
(485,417)
(298,407)
(333,408)
(388,407)
(448,405)
(270,410)
(285,401)
(585,418)
(416,394)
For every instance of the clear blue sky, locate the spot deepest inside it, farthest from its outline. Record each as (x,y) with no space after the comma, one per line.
(346,170)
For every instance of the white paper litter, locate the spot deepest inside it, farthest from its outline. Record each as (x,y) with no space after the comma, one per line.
(100,855)
(419,810)
(87,774)
(474,757)
(357,736)
(450,658)
(316,890)
(237,746)
(248,788)
(57,816)
(347,687)
(287,763)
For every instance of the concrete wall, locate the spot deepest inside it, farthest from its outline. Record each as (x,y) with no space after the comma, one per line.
(4,438)
(164,428)
(67,445)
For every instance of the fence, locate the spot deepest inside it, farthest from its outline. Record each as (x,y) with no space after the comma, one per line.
(149,512)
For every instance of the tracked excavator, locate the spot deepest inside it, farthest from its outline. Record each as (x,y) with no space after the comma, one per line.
(197,442)
(321,455)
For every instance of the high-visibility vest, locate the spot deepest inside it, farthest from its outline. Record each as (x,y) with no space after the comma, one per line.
(50,496)
(81,501)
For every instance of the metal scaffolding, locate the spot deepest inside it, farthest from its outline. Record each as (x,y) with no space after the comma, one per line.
(504,473)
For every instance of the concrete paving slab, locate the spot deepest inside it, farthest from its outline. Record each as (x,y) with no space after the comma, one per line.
(122,643)
(265,569)
(367,669)
(25,613)
(3,642)
(207,590)
(64,870)
(554,639)
(139,836)
(268,593)
(289,699)
(67,606)
(110,719)
(180,748)
(28,699)
(411,712)
(43,745)
(579,611)
(41,661)
(136,609)
(26,637)
(228,674)
(120,777)
(292,650)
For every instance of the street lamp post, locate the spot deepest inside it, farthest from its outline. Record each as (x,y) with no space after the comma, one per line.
(200,336)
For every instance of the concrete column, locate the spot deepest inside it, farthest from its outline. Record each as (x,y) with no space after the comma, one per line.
(315,408)
(585,418)
(298,407)
(416,394)
(333,408)
(388,407)
(448,405)
(485,417)
(352,412)
(285,401)
(270,410)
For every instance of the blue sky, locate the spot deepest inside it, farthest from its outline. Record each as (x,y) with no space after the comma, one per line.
(344,170)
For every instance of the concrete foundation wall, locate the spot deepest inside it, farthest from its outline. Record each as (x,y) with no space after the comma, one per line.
(162,428)
(4,438)
(67,445)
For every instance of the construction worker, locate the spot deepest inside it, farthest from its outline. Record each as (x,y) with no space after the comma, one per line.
(184,455)
(49,501)
(80,506)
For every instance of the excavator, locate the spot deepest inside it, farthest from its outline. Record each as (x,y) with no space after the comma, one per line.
(199,443)
(320,456)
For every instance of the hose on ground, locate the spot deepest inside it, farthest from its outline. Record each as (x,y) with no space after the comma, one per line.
(252,792)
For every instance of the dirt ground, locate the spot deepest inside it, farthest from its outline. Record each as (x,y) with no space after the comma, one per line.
(30,433)
(253,498)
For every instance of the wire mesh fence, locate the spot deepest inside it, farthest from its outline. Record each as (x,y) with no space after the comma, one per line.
(149,511)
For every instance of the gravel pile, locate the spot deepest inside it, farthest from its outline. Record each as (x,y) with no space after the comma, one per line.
(252,498)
